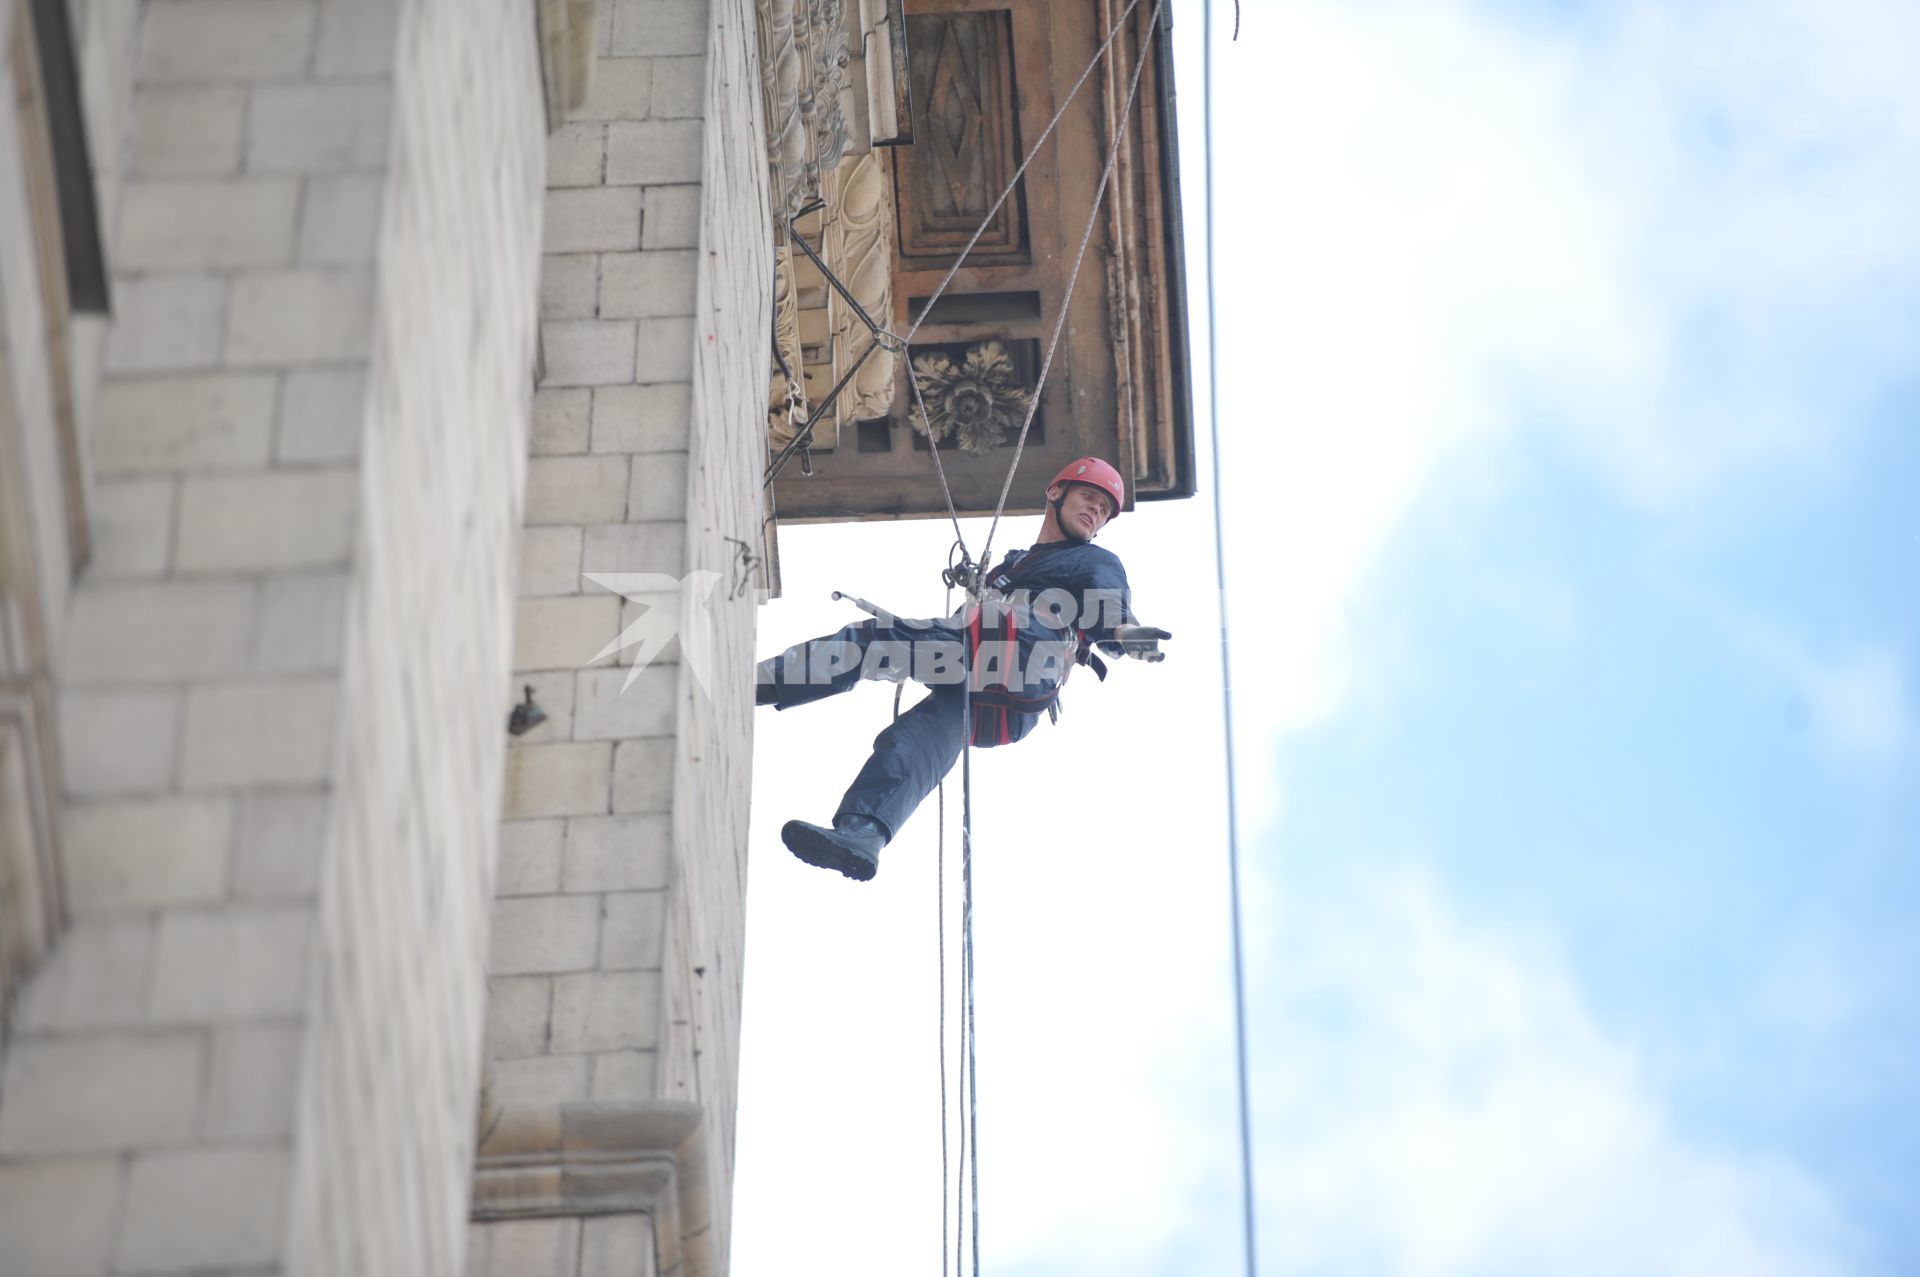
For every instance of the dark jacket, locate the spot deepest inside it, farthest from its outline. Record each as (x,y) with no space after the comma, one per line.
(1051,604)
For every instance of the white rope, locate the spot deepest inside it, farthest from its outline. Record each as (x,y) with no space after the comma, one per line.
(967,1082)
(1060,321)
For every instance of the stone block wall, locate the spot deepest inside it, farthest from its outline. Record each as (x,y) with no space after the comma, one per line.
(255,1048)
(618,928)
(390,1082)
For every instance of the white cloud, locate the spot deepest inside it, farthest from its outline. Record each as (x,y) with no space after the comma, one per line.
(1855,700)
(1436,1100)
(1676,239)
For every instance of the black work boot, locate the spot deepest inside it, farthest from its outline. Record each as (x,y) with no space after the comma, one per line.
(852,846)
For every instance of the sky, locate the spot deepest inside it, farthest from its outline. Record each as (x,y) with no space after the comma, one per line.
(1567,367)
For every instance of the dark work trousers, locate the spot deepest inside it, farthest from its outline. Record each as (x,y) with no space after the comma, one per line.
(918,748)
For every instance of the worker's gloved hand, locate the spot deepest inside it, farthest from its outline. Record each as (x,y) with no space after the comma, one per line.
(1141,641)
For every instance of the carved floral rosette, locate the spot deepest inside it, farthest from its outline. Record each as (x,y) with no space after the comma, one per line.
(976,401)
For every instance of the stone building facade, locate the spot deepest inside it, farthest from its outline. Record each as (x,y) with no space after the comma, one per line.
(409,313)
(372,368)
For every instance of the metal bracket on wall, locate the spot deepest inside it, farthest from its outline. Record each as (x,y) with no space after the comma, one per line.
(882,340)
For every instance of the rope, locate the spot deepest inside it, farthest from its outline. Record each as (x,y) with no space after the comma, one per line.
(1226,664)
(969,1127)
(1060,322)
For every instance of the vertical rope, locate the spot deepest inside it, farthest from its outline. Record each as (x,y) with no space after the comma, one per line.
(1226,666)
(1066,298)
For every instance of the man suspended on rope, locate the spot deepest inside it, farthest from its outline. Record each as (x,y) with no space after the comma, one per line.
(1045,609)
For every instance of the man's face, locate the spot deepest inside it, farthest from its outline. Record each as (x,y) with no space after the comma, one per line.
(1084,510)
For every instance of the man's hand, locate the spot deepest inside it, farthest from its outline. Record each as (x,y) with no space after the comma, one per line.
(1141,642)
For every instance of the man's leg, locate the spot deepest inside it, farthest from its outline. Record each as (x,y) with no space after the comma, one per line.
(815,669)
(908,760)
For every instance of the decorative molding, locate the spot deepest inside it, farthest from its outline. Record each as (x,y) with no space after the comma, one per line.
(975,401)
(804,54)
(857,243)
(787,404)
(889,98)
(964,150)
(600,1158)
(827,42)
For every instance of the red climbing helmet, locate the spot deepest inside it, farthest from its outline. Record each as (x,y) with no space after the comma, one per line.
(1093,470)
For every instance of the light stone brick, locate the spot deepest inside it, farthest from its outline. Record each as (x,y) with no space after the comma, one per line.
(562,421)
(653,152)
(322,416)
(569,288)
(278,845)
(52,1214)
(618,853)
(558,780)
(564,633)
(251,1086)
(207,224)
(190,40)
(621,89)
(576,490)
(357,37)
(146,854)
(636,609)
(169,1228)
(625,1076)
(649,284)
(517,1013)
(552,692)
(642,776)
(673,217)
(268,521)
(594,220)
(118,742)
(632,930)
(186,132)
(606,1011)
(258,733)
(524,1247)
(603,711)
(588,352)
(642,418)
(340,222)
(659,487)
(665,351)
(236,964)
(99,977)
(616,1245)
(576,155)
(544,935)
(543,1081)
(166,321)
(648,28)
(549,560)
(314,128)
(302,625)
(299,317)
(99,1093)
(132,525)
(636,547)
(679,88)
(168,631)
(213,421)
(530,857)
